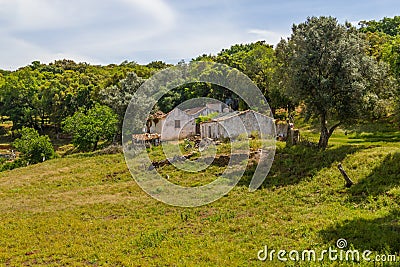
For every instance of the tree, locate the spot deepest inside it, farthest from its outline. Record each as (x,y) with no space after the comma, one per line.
(377,41)
(256,60)
(259,64)
(158,65)
(17,95)
(43,95)
(88,128)
(119,96)
(35,148)
(329,71)
(383,37)
(391,55)
(390,26)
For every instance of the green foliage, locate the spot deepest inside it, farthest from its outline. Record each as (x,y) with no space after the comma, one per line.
(206,118)
(88,128)
(118,96)
(391,55)
(384,44)
(5,166)
(255,134)
(17,95)
(39,95)
(327,69)
(195,90)
(158,65)
(256,60)
(390,26)
(243,137)
(377,41)
(35,148)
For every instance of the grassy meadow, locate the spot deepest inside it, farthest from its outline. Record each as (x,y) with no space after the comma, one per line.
(86,209)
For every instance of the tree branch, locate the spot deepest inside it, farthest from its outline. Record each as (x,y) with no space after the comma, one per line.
(334,127)
(349,182)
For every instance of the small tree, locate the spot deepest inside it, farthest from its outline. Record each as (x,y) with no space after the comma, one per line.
(328,70)
(35,148)
(88,128)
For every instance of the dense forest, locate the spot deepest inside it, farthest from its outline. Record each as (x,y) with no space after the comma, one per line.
(44,96)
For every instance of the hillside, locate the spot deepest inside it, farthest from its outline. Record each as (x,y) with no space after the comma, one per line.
(86,210)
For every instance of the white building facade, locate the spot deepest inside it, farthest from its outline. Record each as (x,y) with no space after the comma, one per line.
(233,124)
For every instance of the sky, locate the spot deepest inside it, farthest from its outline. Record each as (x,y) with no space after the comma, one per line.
(112,31)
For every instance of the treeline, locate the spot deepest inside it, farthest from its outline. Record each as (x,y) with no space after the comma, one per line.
(268,68)
(41,95)
(318,66)
(384,41)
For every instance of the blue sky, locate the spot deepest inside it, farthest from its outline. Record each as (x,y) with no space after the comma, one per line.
(103,32)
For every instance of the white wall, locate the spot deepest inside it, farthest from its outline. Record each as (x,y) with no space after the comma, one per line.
(236,125)
(187,126)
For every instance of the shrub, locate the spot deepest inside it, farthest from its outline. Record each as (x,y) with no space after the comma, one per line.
(206,118)
(242,137)
(12,165)
(34,147)
(255,135)
(88,128)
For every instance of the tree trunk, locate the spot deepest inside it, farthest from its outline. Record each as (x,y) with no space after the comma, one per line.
(95,144)
(324,137)
(325,132)
(42,123)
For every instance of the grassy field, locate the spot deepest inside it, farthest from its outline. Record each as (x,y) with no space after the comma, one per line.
(86,210)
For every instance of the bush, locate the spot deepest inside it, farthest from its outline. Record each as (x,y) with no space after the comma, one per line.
(255,135)
(242,137)
(206,118)
(90,127)
(35,148)
(12,165)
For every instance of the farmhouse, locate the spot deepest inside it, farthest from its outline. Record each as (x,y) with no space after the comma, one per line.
(180,124)
(155,122)
(236,123)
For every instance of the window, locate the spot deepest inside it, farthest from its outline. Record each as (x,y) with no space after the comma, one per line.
(177,124)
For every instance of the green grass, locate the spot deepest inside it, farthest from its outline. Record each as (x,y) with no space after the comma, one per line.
(86,210)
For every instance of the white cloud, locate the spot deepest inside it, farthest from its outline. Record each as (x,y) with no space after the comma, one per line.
(46,30)
(44,14)
(158,9)
(110,31)
(16,53)
(269,36)
(209,36)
